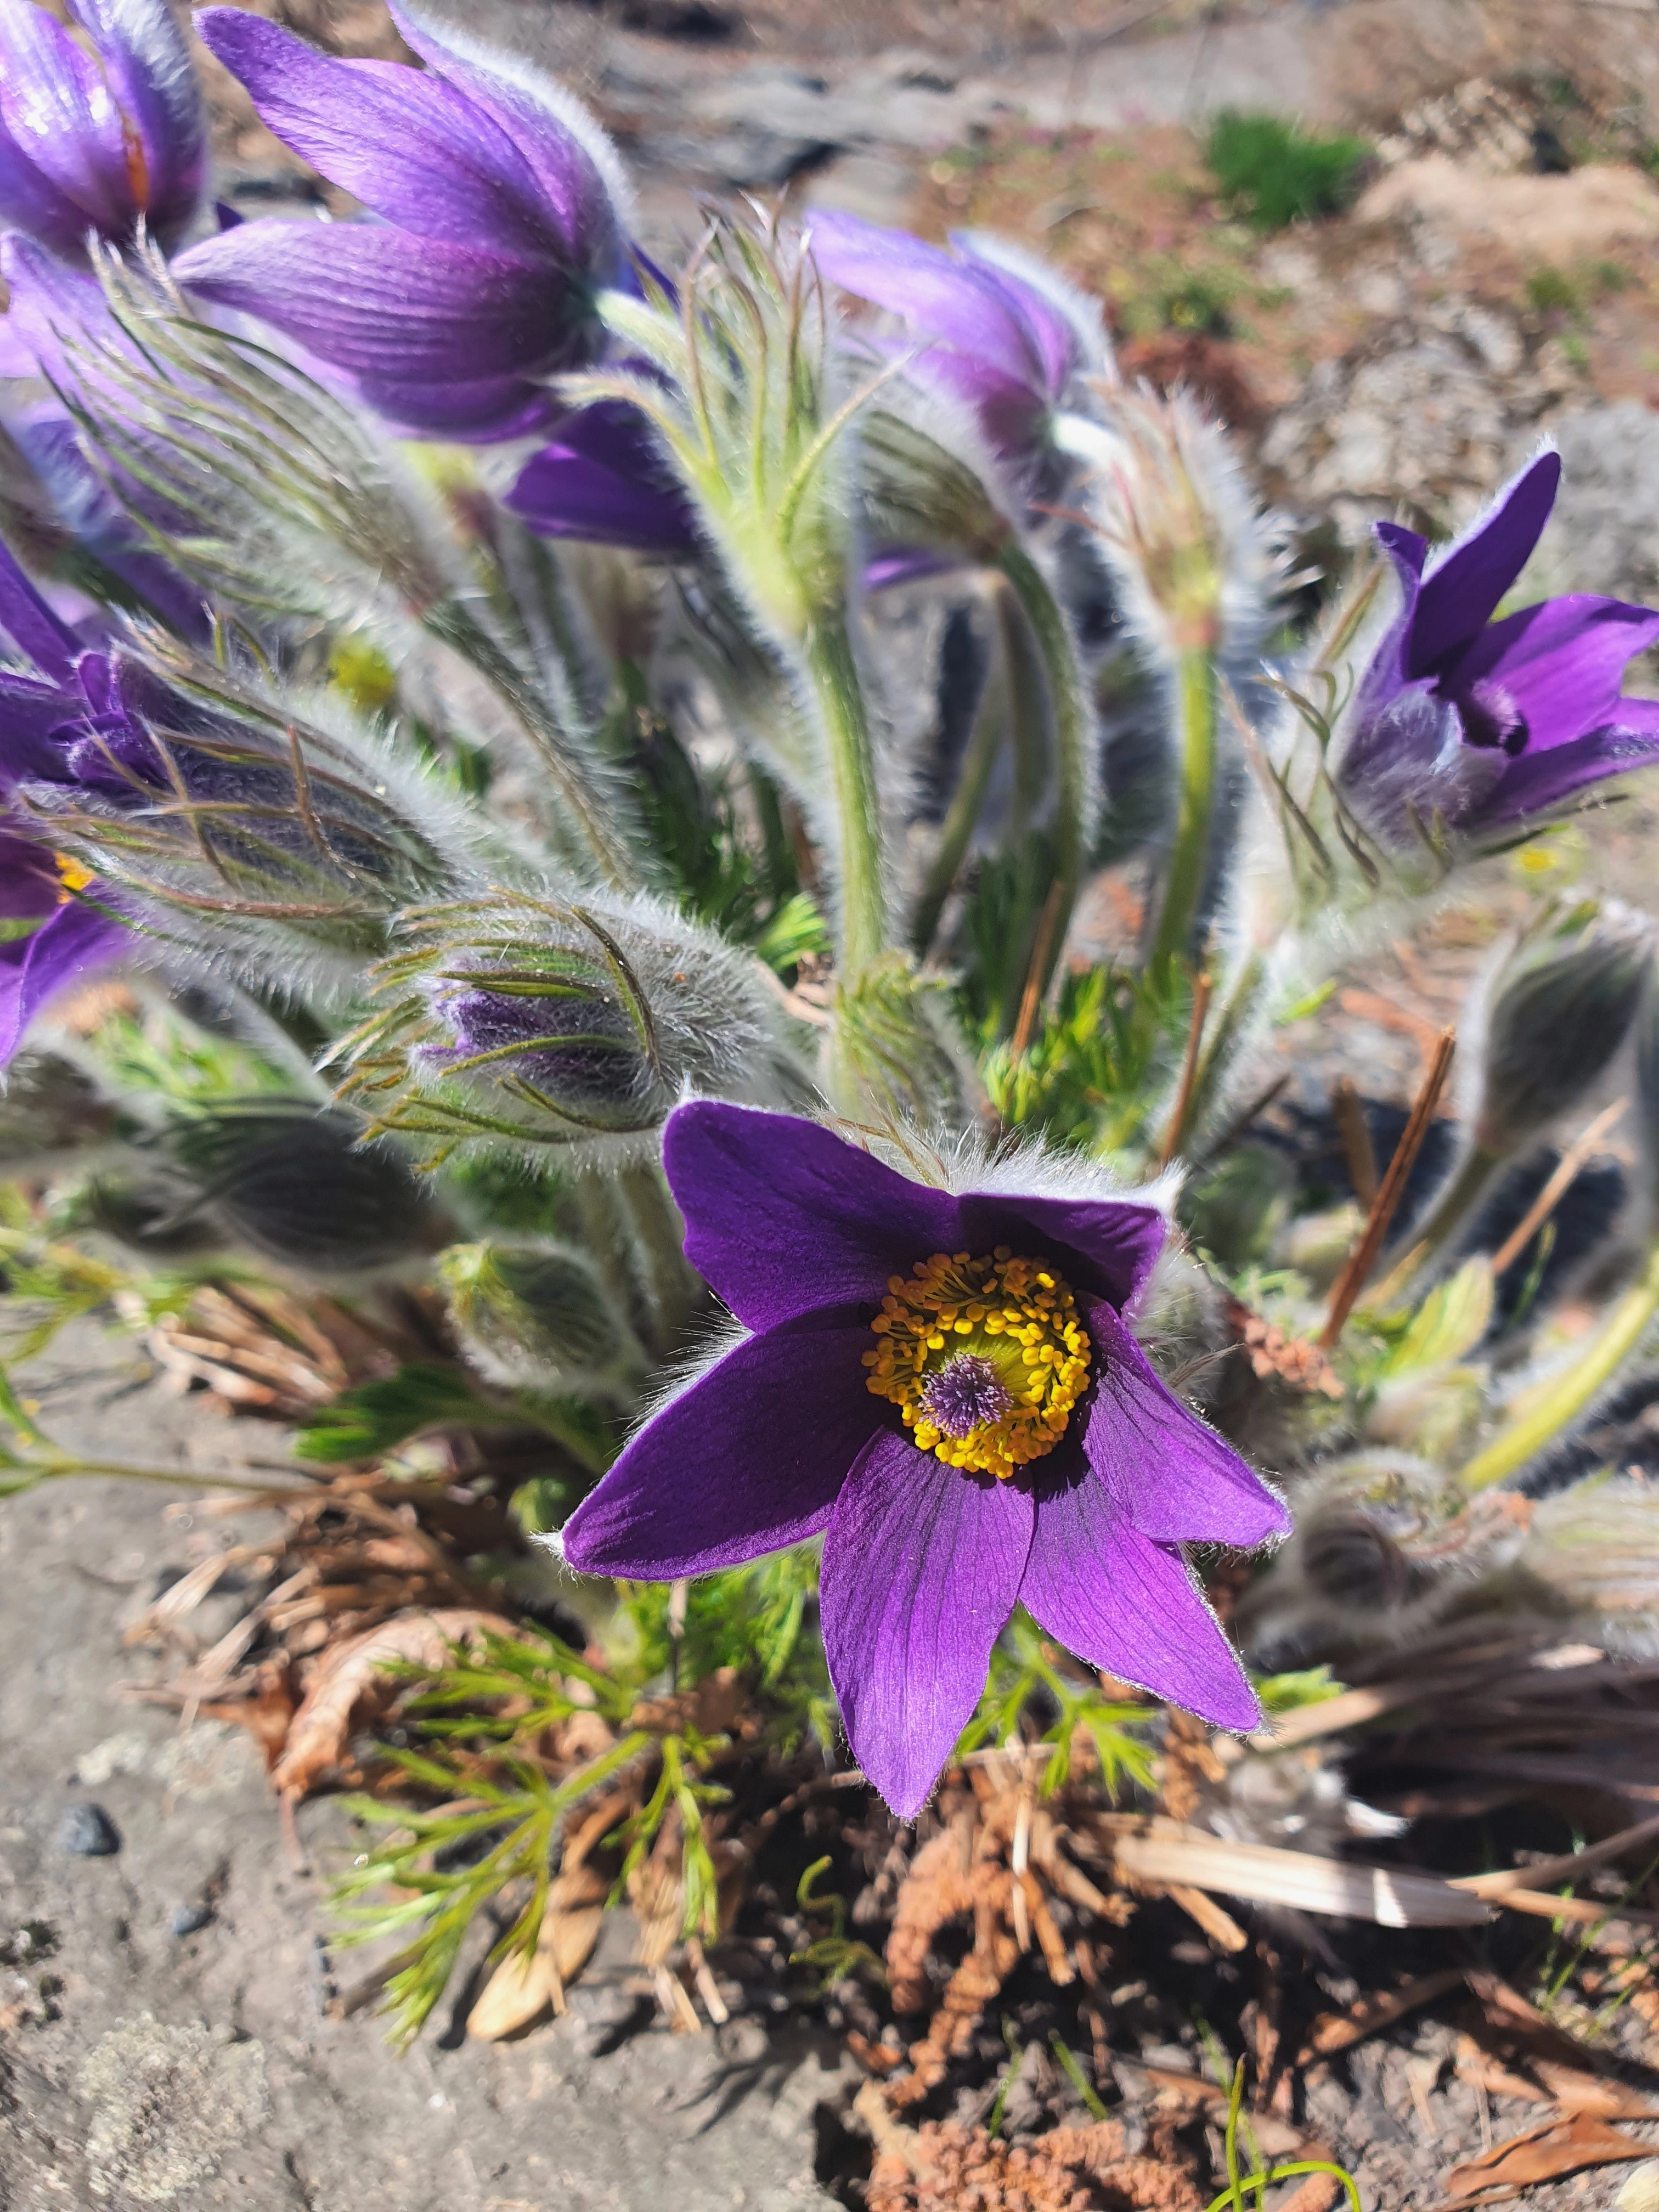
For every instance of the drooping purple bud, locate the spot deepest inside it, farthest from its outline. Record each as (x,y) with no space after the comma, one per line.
(500,203)
(100,134)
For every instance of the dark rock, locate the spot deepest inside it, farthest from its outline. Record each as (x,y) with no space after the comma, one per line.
(190,1919)
(87,1831)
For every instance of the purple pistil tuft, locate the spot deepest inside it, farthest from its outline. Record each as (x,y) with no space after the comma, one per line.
(965,1394)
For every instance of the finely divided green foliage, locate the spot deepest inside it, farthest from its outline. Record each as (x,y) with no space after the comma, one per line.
(1275,173)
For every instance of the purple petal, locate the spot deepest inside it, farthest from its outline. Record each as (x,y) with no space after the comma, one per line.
(921,1565)
(1560,663)
(601,479)
(148,65)
(1173,1477)
(30,202)
(401,140)
(1536,782)
(1129,1606)
(958,303)
(29,881)
(57,107)
(564,150)
(1051,333)
(906,564)
(748,1459)
(1464,585)
(72,942)
(1099,1245)
(30,623)
(782,1218)
(382,302)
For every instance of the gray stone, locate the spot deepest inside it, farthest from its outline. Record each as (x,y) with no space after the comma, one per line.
(87,1831)
(1604,534)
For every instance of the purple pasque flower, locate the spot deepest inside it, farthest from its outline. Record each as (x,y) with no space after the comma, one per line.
(103,133)
(999,332)
(499,202)
(1482,724)
(601,479)
(72,940)
(942,1383)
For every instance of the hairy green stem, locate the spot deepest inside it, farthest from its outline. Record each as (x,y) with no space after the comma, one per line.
(1555,1404)
(1190,856)
(1073,824)
(984,741)
(862,932)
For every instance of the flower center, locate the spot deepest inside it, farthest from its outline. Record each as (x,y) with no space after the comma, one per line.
(985,1359)
(1491,718)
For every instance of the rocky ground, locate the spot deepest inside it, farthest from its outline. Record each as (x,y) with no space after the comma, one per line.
(173,2030)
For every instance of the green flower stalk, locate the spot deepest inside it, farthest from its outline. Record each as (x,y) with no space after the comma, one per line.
(1556,1009)
(1198,568)
(752,411)
(1550,1409)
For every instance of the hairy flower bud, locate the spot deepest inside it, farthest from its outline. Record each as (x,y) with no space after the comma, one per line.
(278,1178)
(538,1314)
(1595,1549)
(219,818)
(532,1022)
(1558,1011)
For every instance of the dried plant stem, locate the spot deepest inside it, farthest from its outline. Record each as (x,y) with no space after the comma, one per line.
(1363,1258)
(862,933)
(1202,987)
(1030,1000)
(1357,1149)
(1458,1197)
(1189,857)
(1073,823)
(1556,1188)
(1546,1412)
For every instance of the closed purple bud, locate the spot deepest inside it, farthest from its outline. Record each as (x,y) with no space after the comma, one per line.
(500,203)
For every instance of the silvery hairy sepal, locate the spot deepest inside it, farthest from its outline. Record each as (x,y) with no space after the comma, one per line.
(523,1022)
(1593,1552)
(537,1315)
(225,824)
(278,1178)
(1557,1009)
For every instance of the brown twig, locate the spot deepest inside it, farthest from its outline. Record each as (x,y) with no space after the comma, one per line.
(1556,1188)
(1363,1258)
(1202,987)
(1358,1149)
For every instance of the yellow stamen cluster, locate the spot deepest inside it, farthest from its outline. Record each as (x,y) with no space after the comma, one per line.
(71,875)
(1018,1316)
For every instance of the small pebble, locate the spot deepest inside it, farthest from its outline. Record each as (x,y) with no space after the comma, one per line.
(87,1831)
(190,1919)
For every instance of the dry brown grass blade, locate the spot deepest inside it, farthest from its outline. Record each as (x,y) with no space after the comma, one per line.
(1567,1867)
(1352,1279)
(1339,2031)
(1388,1896)
(1543,2153)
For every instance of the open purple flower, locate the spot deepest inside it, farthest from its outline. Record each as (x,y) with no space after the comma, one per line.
(601,479)
(499,201)
(1001,335)
(1486,724)
(73,939)
(942,1384)
(101,133)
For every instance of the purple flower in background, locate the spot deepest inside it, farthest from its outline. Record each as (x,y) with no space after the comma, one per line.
(73,939)
(1486,724)
(942,1383)
(499,199)
(600,479)
(99,133)
(999,333)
